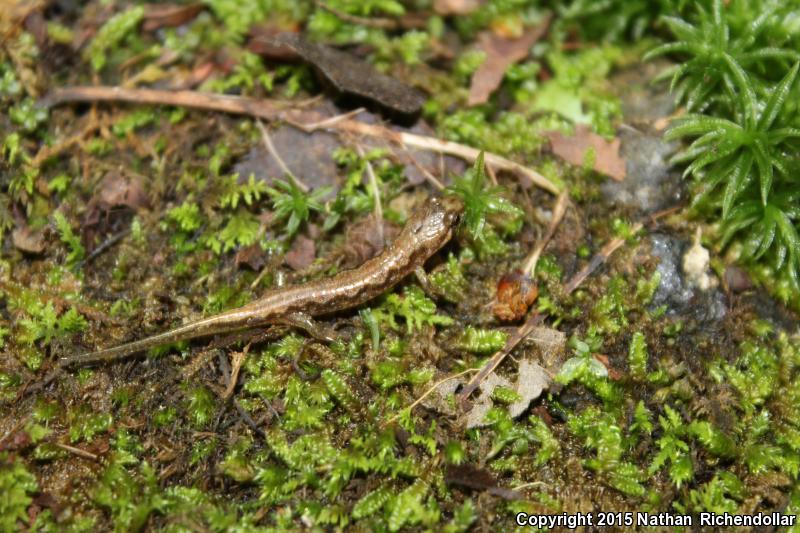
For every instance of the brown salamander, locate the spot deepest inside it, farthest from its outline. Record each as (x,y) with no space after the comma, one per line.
(428,229)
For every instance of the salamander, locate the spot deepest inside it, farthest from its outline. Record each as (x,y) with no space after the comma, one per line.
(428,229)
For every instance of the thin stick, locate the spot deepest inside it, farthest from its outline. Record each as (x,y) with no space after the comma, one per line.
(428,175)
(21,422)
(237,105)
(77,451)
(281,163)
(598,259)
(533,320)
(430,390)
(448,147)
(558,214)
(108,243)
(328,122)
(306,120)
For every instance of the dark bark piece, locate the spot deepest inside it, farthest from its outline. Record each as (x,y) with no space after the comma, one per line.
(354,77)
(473,477)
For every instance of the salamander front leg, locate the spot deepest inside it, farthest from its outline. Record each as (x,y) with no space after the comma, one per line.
(319,331)
(425,282)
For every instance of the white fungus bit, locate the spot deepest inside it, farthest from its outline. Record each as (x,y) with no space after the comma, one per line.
(695,265)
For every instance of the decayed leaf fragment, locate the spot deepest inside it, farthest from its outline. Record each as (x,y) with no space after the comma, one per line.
(573,150)
(350,75)
(501,53)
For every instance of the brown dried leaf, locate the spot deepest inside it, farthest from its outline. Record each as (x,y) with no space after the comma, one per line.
(553,345)
(351,75)
(168,15)
(301,254)
(501,53)
(27,240)
(531,382)
(573,150)
(484,402)
(473,477)
(363,241)
(252,256)
(117,189)
(516,292)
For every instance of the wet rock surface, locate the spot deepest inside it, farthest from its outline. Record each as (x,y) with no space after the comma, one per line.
(650,184)
(680,296)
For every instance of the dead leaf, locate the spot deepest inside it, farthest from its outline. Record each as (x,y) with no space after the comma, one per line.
(27,240)
(532,380)
(501,53)
(301,254)
(252,256)
(118,190)
(351,75)
(363,241)
(476,478)
(168,15)
(440,399)
(552,344)
(573,150)
(484,403)
(307,155)
(456,7)
(516,292)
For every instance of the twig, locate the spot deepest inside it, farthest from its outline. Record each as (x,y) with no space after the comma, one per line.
(244,415)
(462,151)
(429,391)
(306,120)
(237,105)
(373,182)
(533,320)
(328,122)
(77,451)
(606,251)
(428,175)
(274,153)
(558,214)
(108,243)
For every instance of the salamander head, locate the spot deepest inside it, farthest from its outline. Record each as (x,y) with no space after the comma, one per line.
(432,224)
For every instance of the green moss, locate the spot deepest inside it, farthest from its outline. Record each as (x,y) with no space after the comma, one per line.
(73,242)
(413,307)
(480,341)
(85,423)
(112,34)
(18,487)
(637,356)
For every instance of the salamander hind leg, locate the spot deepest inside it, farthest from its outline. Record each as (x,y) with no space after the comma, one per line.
(317,330)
